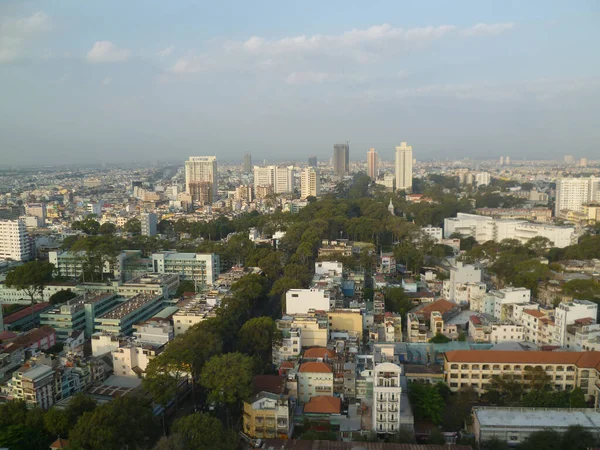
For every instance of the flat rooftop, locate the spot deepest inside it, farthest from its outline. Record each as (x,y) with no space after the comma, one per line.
(537,417)
(129,306)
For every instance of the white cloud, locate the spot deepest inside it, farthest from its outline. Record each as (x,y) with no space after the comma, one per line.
(106,81)
(106,52)
(165,51)
(484,29)
(16,33)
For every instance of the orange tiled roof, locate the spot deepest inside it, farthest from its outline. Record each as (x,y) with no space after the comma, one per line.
(315,367)
(318,352)
(580,359)
(323,404)
(534,313)
(442,305)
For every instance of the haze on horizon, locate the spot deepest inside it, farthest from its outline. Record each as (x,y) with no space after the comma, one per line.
(86,82)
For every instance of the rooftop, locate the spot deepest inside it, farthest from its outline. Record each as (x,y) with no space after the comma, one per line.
(580,359)
(129,306)
(323,404)
(315,367)
(296,444)
(537,417)
(318,352)
(22,313)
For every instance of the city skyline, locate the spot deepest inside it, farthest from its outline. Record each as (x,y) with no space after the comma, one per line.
(469,81)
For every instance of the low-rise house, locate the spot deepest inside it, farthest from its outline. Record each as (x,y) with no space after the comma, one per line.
(314,379)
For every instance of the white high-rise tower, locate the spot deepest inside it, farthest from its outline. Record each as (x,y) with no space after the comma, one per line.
(404,167)
(200,175)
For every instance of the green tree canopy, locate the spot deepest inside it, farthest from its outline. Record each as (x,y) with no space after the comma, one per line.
(62,296)
(202,432)
(228,378)
(30,277)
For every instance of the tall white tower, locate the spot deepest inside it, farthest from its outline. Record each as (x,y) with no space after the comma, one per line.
(404,167)
(372,164)
(310,183)
(386,398)
(201,169)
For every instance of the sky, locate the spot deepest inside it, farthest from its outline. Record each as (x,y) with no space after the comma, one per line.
(153,80)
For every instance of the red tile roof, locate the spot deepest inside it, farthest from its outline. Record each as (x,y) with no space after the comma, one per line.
(534,313)
(318,352)
(35,335)
(315,367)
(580,359)
(441,305)
(60,443)
(324,404)
(11,318)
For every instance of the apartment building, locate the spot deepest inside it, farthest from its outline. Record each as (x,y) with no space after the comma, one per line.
(268,415)
(310,183)
(416,328)
(121,319)
(202,269)
(303,301)
(190,313)
(567,312)
(33,384)
(464,283)
(279,179)
(314,379)
(149,221)
(201,175)
(14,241)
(567,370)
(573,193)
(435,233)
(154,332)
(132,357)
(386,398)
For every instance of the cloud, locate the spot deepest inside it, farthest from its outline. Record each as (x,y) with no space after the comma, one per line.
(106,52)
(106,81)
(316,58)
(16,34)
(484,29)
(165,51)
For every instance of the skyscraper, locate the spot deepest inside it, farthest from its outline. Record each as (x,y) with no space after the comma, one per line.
(312,161)
(281,179)
(310,183)
(404,167)
(14,240)
(247,163)
(341,159)
(372,164)
(201,176)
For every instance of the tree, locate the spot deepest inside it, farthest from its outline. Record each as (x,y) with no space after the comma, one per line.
(436,437)
(126,422)
(537,379)
(185,286)
(203,432)
(57,423)
(62,296)
(256,337)
(133,226)
(107,228)
(494,444)
(577,398)
(31,278)
(396,301)
(284,284)
(547,440)
(427,401)
(578,438)
(462,336)
(228,378)
(439,338)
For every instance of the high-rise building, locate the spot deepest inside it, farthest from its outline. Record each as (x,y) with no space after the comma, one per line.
(372,164)
(244,194)
(310,183)
(404,167)
(483,178)
(149,221)
(341,159)
(201,169)
(280,178)
(14,241)
(386,398)
(312,161)
(247,163)
(583,162)
(573,193)
(502,160)
(569,159)
(508,160)
(37,210)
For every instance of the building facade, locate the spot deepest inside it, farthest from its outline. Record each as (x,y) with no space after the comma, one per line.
(404,167)
(310,183)
(386,398)
(14,241)
(201,169)
(149,221)
(341,159)
(573,193)
(201,268)
(372,164)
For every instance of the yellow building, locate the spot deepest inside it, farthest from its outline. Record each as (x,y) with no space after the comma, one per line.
(346,319)
(567,370)
(267,415)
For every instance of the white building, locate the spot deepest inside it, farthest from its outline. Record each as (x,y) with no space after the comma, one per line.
(191,313)
(386,398)
(464,282)
(149,222)
(314,379)
(483,178)
(404,167)
(388,181)
(154,332)
(505,298)
(567,313)
(301,301)
(14,240)
(484,228)
(132,358)
(201,169)
(202,268)
(372,164)
(281,179)
(573,193)
(434,232)
(103,343)
(506,332)
(310,183)
(332,268)
(37,210)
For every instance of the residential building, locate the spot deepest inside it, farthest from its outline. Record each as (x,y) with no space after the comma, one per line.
(33,384)
(132,358)
(14,241)
(199,170)
(314,379)
(149,222)
(341,159)
(506,332)
(268,415)
(299,332)
(483,178)
(310,183)
(312,161)
(573,193)
(535,214)
(567,313)
(346,319)
(280,179)
(78,314)
(460,276)
(505,299)
(485,229)
(387,263)
(514,425)
(386,398)
(94,208)
(372,164)
(404,167)
(37,210)
(103,343)
(435,233)
(201,268)
(303,301)
(416,328)
(190,313)
(244,193)
(154,332)
(388,181)
(567,370)
(121,319)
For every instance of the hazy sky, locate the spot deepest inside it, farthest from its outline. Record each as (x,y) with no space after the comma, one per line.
(142,80)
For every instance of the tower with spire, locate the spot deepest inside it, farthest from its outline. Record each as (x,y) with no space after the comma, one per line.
(391,208)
